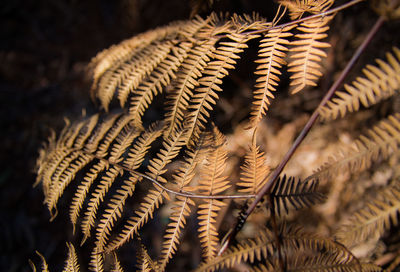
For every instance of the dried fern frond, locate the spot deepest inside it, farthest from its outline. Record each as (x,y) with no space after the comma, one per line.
(373,219)
(122,67)
(71,264)
(96,263)
(114,210)
(205,96)
(368,267)
(250,250)
(144,261)
(181,206)
(212,182)
(45,267)
(323,262)
(289,193)
(298,7)
(255,170)
(381,141)
(271,54)
(154,197)
(380,82)
(106,148)
(307,53)
(159,78)
(116,265)
(295,244)
(186,80)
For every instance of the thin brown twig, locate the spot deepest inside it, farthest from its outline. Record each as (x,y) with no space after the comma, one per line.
(274,176)
(322,14)
(181,193)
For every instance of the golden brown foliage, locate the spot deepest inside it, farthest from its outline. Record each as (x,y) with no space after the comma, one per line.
(181,160)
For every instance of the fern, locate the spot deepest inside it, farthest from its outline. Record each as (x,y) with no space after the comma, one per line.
(383,140)
(288,193)
(71,264)
(373,219)
(272,54)
(379,83)
(183,159)
(255,169)
(307,53)
(298,7)
(211,183)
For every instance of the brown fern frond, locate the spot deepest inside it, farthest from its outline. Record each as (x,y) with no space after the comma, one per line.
(115,65)
(287,194)
(63,175)
(83,189)
(368,267)
(157,80)
(45,267)
(181,210)
(374,218)
(97,197)
(154,198)
(186,80)
(307,53)
(64,161)
(144,261)
(248,22)
(116,264)
(322,262)
(137,154)
(181,206)
(71,263)
(135,66)
(295,244)
(121,144)
(295,239)
(255,170)
(109,134)
(97,144)
(205,95)
(271,55)
(96,263)
(380,82)
(114,209)
(298,7)
(211,183)
(381,141)
(251,250)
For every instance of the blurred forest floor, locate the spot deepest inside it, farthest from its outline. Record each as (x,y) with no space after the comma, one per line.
(45,46)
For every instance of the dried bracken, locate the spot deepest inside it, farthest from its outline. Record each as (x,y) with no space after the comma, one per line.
(180,157)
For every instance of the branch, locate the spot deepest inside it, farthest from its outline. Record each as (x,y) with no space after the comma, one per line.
(184,194)
(322,14)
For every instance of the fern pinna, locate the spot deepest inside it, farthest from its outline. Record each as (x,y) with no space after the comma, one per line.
(123,167)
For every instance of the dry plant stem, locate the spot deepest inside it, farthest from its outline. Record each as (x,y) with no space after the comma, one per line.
(184,194)
(322,14)
(274,176)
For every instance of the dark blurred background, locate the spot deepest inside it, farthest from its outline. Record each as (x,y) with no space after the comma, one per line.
(45,46)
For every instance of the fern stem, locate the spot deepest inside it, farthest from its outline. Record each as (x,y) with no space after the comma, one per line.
(274,176)
(179,193)
(322,14)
